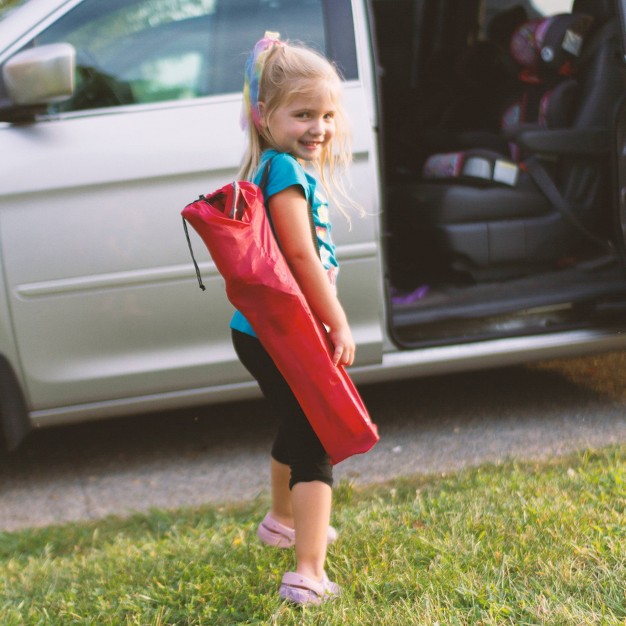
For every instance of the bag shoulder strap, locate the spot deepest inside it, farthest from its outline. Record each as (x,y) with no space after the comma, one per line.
(193,258)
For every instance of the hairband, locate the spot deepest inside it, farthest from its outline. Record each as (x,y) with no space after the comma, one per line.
(252,78)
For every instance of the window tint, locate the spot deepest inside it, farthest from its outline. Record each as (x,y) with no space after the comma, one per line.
(143,51)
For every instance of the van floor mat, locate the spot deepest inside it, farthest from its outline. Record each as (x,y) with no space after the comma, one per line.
(569,286)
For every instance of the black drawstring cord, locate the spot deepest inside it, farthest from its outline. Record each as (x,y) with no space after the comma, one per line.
(193,258)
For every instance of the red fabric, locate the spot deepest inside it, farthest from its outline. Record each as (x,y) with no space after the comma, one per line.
(261,286)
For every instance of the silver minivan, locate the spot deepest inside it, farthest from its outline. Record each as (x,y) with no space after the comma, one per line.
(114,114)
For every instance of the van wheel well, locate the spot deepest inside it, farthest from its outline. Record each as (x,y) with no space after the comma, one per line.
(14,420)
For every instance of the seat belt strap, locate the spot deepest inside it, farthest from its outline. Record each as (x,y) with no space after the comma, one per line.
(545,183)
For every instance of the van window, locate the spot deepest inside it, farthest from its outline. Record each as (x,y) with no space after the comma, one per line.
(145,51)
(533,8)
(552,7)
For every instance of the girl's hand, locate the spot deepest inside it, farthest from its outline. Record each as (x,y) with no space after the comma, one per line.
(343,344)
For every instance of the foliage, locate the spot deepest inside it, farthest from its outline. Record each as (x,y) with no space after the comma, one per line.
(5,4)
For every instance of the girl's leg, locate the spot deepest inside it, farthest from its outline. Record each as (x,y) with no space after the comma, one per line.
(282,510)
(311,509)
(256,360)
(309,471)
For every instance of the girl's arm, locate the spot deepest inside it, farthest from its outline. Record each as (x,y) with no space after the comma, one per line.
(289,211)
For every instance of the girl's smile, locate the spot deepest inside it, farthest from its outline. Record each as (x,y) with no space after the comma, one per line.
(303,127)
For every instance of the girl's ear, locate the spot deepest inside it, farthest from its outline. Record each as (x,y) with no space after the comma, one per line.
(262,110)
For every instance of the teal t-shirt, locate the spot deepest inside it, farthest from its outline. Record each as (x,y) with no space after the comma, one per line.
(286,171)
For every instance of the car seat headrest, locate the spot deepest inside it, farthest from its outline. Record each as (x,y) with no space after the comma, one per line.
(600,10)
(502,25)
(547,48)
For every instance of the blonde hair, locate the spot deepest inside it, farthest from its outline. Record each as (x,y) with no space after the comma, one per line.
(290,71)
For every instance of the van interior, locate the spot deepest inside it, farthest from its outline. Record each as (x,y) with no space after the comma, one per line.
(499,121)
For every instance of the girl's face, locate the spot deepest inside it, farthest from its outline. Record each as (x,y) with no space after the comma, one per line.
(303,127)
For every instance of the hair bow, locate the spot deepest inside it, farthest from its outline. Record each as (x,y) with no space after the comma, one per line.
(252,78)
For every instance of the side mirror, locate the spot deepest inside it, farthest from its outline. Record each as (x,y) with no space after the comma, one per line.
(35,77)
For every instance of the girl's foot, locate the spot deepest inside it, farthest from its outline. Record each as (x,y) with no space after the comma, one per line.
(302,590)
(275,534)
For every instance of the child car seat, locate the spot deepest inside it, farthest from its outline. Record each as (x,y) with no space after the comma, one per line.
(545,51)
(486,216)
(485,79)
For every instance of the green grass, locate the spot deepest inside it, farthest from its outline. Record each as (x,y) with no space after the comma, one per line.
(511,544)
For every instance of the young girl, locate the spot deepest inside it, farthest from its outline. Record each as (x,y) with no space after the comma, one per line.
(293,114)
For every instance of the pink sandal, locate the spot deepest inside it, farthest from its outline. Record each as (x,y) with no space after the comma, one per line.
(302,590)
(275,534)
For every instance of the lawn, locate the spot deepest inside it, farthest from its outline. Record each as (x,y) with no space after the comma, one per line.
(508,544)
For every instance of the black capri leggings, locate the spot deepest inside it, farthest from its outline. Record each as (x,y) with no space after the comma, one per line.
(296,444)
